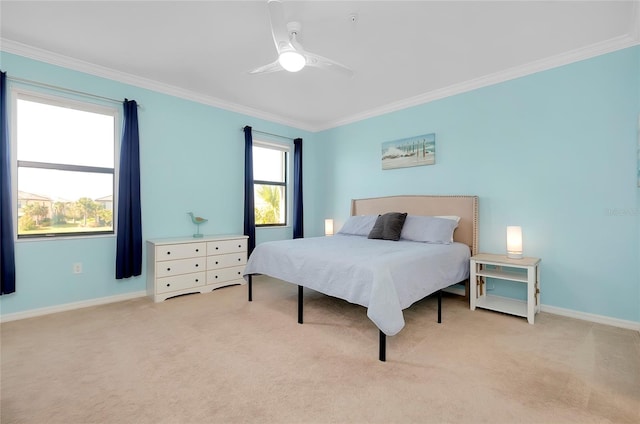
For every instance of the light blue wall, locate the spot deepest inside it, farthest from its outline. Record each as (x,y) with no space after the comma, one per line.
(554,152)
(192,159)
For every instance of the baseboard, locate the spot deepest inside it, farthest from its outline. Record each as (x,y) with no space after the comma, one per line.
(71,306)
(600,319)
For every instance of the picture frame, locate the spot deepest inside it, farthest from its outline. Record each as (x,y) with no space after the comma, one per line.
(408,152)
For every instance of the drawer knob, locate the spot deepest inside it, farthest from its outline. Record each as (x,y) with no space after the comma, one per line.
(239,245)
(238,272)
(168,284)
(239,259)
(168,269)
(216,276)
(196,280)
(197,250)
(216,262)
(168,253)
(197,265)
(216,247)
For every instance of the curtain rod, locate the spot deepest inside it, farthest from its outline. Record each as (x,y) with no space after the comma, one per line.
(268,133)
(68,90)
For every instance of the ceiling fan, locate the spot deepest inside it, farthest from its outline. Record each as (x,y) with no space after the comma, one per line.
(291,56)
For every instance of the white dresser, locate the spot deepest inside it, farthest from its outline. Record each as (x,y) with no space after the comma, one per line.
(185,265)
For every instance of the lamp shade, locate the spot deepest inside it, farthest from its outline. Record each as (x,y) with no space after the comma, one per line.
(514,242)
(292,61)
(328,227)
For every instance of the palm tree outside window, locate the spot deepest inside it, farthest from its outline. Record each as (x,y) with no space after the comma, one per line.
(270,168)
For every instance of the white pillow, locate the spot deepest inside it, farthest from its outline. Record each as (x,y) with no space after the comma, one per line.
(360,225)
(429,229)
(453,217)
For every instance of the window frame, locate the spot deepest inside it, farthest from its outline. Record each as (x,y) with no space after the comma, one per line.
(71,102)
(286,149)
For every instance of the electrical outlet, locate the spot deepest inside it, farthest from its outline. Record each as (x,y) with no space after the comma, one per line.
(77,268)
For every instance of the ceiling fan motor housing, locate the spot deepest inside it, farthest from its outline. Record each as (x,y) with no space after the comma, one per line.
(294,28)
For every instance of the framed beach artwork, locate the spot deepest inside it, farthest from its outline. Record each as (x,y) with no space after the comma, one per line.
(413,151)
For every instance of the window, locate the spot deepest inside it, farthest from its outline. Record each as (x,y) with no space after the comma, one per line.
(270,183)
(65,153)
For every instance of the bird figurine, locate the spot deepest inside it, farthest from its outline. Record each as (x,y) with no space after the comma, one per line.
(197,220)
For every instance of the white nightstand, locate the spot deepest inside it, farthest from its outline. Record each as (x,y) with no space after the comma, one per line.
(525,270)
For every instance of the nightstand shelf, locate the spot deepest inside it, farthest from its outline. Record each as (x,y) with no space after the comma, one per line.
(503,275)
(525,270)
(503,304)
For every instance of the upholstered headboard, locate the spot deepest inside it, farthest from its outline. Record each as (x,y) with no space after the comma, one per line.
(466,207)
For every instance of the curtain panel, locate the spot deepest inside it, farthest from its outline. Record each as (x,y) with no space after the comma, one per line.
(249,210)
(298,213)
(7,255)
(129,232)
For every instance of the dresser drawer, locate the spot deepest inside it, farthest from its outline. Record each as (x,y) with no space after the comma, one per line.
(179,282)
(224,274)
(225,261)
(226,246)
(168,252)
(182,266)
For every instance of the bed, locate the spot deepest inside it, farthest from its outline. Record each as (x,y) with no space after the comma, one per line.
(384,276)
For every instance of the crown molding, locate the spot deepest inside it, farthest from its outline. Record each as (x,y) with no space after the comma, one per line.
(46,56)
(630,39)
(597,49)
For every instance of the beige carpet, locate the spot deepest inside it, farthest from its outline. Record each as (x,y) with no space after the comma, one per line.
(216,358)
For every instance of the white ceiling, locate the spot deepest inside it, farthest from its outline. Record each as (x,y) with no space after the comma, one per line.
(403,52)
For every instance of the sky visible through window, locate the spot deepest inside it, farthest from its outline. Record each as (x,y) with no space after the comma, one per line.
(268,164)
(60,135)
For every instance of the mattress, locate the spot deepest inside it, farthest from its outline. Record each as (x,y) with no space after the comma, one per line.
(383,276)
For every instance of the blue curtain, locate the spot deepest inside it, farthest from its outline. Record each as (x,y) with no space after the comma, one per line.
(298,222)
(129,237)
(7,257)
(249,210)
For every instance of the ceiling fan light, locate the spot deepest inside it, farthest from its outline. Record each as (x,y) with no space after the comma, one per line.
(292,61)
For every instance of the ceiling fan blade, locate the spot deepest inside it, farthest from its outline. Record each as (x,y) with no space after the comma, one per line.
(265,69)
(278,25)
(318,61)
(284,36)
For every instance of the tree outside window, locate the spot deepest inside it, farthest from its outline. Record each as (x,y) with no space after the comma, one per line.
(65,166)
(270,184)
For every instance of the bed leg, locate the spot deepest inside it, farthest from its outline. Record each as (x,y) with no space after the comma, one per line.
(250,288)
(439,306)
(383,347)
(299,304)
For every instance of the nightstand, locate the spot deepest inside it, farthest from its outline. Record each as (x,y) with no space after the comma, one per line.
(525,270)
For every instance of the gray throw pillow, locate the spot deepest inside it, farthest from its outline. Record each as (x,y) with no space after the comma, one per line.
(388,226)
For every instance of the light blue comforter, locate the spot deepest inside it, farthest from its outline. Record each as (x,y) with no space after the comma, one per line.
(383,276)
